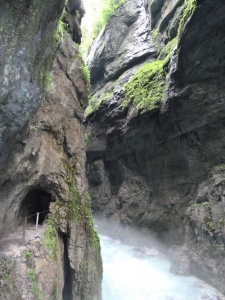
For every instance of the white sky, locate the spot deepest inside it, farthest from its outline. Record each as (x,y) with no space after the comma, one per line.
(91,7)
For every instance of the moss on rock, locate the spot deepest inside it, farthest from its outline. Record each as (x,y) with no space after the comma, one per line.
(188,10)
(145,88)
(50,238)
(94,102)
(167,51)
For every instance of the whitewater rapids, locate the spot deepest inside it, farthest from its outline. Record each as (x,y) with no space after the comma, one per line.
(127,277)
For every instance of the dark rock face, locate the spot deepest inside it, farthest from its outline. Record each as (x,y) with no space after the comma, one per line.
(27,55)
(24,54)
(42,157)
(163,170)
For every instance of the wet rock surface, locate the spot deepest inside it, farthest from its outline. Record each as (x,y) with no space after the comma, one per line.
(162,171)
(43,158)
(25,55)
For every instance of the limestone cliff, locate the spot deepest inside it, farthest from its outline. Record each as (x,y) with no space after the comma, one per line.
(43,94)
(160,167)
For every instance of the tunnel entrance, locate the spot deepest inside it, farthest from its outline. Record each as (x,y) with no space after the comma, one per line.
(36,201)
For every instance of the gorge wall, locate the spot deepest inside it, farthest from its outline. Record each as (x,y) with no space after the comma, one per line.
(162,168)
(43,94)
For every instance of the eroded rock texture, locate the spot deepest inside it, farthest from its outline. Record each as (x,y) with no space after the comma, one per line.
(43,97)
(163,171)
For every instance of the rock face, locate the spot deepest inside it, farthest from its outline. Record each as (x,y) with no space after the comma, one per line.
(24,56)
(43,97)
(125,41)
(163,171)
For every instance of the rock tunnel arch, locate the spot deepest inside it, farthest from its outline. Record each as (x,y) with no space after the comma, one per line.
(36,200)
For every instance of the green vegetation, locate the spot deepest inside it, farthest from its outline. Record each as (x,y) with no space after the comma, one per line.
(27,255)
(45,75)
(85,74)
(166,52)
(205,205)
(6,266)
(145,88)
(86,137)
(97,250)
(34,288)
(74,204)
(87,197)
(84,71)
(40,60)
(58,33)
(188,10)
(33,128)
(107,9)
(209,224)
(195,205)
(100,12)
(218,168)
(154,34)
(36,291)
(94,102)
(50,238)
(31,274)
(79,211)
(45,78)
(208,218)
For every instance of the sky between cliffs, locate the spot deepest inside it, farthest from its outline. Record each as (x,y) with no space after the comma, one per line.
(91,13)
(88,20)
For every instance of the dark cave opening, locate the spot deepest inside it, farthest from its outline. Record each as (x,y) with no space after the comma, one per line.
(36,201)
(67,289)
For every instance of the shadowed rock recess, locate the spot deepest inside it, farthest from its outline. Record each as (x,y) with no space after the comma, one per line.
(43,94)
(162,168)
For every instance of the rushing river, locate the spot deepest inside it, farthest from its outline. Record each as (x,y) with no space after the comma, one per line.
(127,277)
